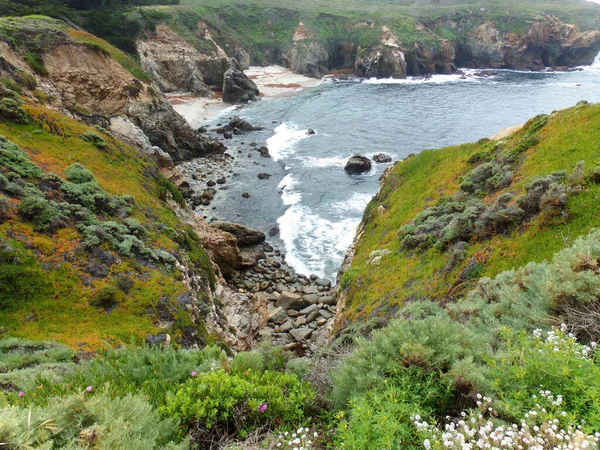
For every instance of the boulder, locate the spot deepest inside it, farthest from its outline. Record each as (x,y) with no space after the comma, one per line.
(237,87)
(264,151)
(382,158)
(240,124)
(301,334)
(245,236)
(328,300)
(289,300)
(323,282)
(278,315)
(358,164)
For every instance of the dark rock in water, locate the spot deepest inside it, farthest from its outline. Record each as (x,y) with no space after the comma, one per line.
(159,339)
(382,158)
(246,195)
(208,194)
(268,248)
(358,164)
(202,130)
(221,181)
(310,131)
(240,124)
(252,144)
(237,87)
(227,135)
(264,151)
(210,183)
(220,130)
(263,176)
(245,236)
(237,132)
(274,231)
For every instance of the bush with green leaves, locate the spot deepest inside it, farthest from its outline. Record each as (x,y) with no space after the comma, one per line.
(95,139)
(151,371)
(239,402)
(381,418)
(78,174)
(16,160)
(552,361)
(466,338)
(46,214)
(487,177)
(21,278)
(4,209)
(87,421)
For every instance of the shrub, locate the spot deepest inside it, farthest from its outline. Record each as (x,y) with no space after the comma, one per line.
(238,403)
(4,209)
(381,418)
(95,139)
(165,186)
(10,109)
(487,177)
(46,214)
(89,421)
(245,361)
(78,174)
(21,279)
(35,61)
(106,297)
(549,191)
(551,361)
(151,371)
(16,160)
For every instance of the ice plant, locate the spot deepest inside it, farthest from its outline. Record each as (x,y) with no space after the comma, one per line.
(89,389)
(262,408)
(193,374)
(21,394)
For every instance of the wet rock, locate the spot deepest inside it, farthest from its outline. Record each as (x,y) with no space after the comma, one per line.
(210,183)
(357,164)
(289,300)
(264,152)
(310,132)
(243,125)
(221,181)
(245,195)
(208,194)
(252,144)
(227,135)
(202,130)
(382,158)
(245,236)
(264,176)
(274,231)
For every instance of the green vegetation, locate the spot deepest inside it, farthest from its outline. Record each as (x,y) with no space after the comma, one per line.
(451,217)
(87,251)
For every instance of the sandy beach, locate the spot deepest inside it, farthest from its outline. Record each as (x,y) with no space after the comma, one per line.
(272,82)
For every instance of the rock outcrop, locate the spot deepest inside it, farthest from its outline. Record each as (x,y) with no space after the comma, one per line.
(547,43)
(237,87)
(308,56)
(357,164)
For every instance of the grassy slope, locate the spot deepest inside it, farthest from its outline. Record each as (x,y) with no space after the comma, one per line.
(570,136)
(53,142)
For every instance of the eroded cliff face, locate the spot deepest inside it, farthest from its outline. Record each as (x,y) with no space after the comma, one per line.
(548,43)
(87,83)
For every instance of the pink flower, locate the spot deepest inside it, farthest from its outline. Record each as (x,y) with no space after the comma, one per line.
(193,374)
(262,408)
(21,394)
(89,389)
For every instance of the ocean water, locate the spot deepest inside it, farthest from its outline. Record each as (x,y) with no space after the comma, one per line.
(315,204)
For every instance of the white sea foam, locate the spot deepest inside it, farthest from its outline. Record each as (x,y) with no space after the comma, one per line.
(313,242)
(434,79)
(282,143)
(357,203)
(333,161)
(289,196)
